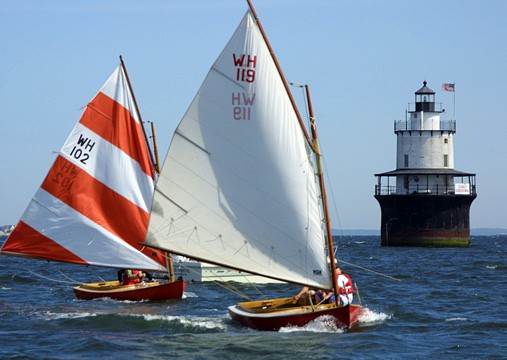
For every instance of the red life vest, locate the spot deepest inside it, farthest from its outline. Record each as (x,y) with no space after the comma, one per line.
(129,281)
(349,289)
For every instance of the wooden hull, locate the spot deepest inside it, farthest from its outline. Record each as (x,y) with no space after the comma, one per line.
(151,291)
(277,313)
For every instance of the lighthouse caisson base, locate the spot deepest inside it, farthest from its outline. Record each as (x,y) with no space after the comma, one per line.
(422,220)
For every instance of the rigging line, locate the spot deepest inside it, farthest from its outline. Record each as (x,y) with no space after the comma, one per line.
(93,271)
(369,270)
(54,280)
(332,197)
(74,281)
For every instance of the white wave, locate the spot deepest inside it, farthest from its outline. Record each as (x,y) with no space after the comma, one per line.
(5,288)
(491,267)
(368,316)
(189,321)
(48,315)
(189,295)
(323,324)
(456,319)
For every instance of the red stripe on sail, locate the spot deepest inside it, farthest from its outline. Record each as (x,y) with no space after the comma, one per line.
(28,241)
(114,123)
(111,211)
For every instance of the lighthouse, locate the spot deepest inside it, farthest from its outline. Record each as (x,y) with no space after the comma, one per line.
(425,201)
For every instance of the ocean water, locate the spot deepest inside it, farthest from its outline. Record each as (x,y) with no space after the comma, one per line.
(448,304)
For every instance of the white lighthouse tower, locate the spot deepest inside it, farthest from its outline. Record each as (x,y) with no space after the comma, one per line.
(430,202)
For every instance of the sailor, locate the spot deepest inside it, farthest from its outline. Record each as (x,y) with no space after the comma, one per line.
(345,287)
(131,277)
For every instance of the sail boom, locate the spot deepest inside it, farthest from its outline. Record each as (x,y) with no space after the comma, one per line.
(235,268)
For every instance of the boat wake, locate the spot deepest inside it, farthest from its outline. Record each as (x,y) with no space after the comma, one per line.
(323,324)
(370,317)
(186,323)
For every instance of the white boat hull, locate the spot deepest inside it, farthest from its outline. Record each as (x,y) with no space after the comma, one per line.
(193,271)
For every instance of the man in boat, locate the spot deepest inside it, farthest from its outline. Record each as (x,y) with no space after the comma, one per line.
(317,296)
(345,287)
(131,277)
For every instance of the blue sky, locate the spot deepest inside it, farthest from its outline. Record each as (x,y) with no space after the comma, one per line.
(363,61)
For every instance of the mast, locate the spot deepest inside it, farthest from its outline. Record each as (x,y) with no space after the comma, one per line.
(284,81)
(153,157)
(168,255)
(155,149)
(322,186)
(137,110)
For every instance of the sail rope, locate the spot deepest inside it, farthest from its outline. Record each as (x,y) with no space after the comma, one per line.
(55,280)
(302,87)
(308,124)
(369,270)
(330,187)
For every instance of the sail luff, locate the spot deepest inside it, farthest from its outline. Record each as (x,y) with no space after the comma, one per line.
(282,76)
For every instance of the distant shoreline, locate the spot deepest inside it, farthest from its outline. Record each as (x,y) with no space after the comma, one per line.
(473,232)
(6,229)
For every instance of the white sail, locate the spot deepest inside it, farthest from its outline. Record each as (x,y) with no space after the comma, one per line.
(237,187)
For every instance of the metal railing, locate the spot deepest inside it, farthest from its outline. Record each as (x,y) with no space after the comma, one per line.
(420,190)
(406,125)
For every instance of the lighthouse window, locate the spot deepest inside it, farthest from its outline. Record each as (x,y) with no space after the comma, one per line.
(445,141)
(405,160)
(446,160)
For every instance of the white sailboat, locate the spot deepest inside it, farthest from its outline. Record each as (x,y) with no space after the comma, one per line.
(198,271)
(242,187)
(93,206)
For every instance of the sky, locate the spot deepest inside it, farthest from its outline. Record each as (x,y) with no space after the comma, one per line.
(363,61)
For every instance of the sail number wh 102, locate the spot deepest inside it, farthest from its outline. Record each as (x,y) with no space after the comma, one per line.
(81,153)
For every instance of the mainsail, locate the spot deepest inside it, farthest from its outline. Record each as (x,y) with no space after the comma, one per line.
(238,187)
(93,206)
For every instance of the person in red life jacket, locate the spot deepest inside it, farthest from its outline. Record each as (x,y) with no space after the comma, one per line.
(131,277)
(345,287)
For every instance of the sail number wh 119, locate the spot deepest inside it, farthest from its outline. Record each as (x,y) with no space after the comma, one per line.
(245,72)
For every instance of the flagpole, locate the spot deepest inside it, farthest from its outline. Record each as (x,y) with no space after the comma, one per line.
(454,99)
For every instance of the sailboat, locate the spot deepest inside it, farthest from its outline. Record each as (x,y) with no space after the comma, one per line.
(198,271)
(93,206)
(242,184)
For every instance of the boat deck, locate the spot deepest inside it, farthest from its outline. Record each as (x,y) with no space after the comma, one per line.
(277,305)
(115,285)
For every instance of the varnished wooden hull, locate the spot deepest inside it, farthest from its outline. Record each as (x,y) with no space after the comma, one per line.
(150,291)
(277,313)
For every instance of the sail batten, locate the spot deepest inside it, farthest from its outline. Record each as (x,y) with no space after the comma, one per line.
(240,167)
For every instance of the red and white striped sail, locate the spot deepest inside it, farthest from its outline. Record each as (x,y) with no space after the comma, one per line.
(93,206)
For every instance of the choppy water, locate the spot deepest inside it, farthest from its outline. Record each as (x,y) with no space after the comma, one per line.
(449,304)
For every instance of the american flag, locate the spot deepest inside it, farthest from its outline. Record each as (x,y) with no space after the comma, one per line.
(448,87)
